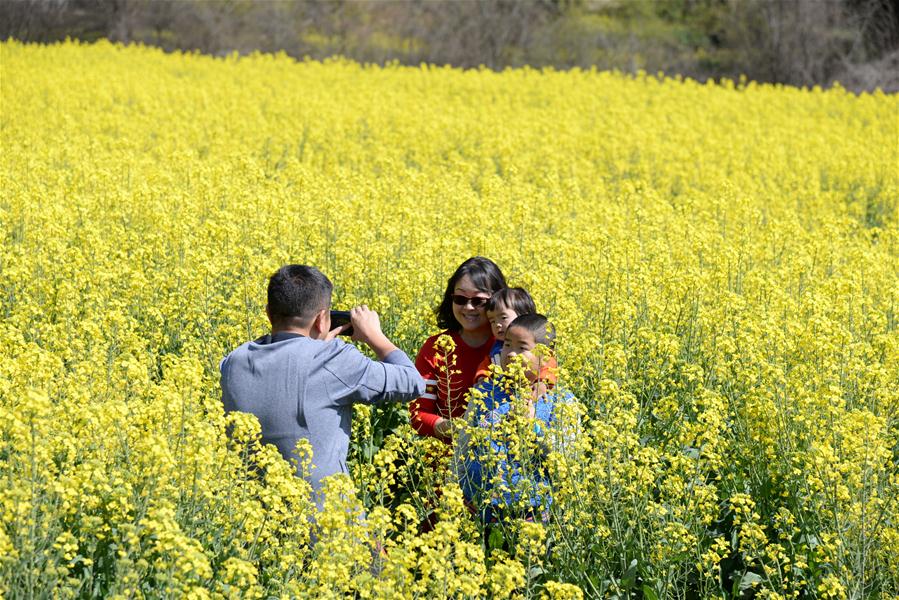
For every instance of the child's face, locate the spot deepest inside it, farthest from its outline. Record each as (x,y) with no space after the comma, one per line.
(520,342)
(499,319)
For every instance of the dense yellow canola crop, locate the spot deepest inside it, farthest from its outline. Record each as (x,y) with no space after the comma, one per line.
(721,261)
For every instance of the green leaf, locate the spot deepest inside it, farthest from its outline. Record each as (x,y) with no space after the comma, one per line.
(630,576)
(749,580)
(496,539)
(649,593)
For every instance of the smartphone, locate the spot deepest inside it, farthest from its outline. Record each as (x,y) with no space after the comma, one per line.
(341,317)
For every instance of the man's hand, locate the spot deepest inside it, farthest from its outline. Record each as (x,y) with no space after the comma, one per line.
(366,324)
(367,329)
(335,332)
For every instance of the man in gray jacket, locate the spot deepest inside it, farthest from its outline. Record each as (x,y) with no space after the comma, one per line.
(301,381)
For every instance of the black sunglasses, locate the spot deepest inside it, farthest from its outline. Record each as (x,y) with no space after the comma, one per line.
(476,302)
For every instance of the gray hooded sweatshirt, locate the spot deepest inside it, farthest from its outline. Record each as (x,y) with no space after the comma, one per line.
(299,387)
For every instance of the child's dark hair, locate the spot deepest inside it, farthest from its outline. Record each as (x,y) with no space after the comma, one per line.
(485,276)
(515,299)
(539,326)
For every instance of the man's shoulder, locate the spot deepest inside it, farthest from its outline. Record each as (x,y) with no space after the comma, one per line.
(335,350)
(301,346)
(236,353)
(320,351)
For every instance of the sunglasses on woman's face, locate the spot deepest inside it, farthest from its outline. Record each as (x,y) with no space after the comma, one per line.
(476,301)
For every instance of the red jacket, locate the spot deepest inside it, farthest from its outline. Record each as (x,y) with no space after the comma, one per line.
(444,396)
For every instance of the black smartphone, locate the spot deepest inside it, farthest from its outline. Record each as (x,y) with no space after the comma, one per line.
(341,317)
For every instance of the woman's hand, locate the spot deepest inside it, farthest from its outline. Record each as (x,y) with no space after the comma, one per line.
(443,428)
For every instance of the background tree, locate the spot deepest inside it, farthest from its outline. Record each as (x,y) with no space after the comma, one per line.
(798,42)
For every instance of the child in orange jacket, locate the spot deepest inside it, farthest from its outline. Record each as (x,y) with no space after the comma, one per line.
(505,306)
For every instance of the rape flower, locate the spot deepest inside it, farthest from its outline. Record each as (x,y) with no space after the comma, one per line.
(718,259)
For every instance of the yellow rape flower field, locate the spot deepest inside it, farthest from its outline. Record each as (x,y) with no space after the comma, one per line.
(721,263)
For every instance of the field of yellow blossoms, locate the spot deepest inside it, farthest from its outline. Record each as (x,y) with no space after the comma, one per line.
(721,263)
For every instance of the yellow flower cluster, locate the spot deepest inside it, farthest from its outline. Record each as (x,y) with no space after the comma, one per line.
(721,263)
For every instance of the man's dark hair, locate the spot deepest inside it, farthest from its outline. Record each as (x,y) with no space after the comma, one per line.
(539,326)
(515,299)
(485,276)
(298,291)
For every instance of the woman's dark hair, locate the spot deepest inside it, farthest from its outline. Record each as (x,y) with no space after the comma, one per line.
(485,276)
(298,291)
(515,299)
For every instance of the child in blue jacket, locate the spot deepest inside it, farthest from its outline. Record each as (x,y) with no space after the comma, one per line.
(500,457)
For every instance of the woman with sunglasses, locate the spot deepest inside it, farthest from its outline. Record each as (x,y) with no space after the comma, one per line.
(463,316)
